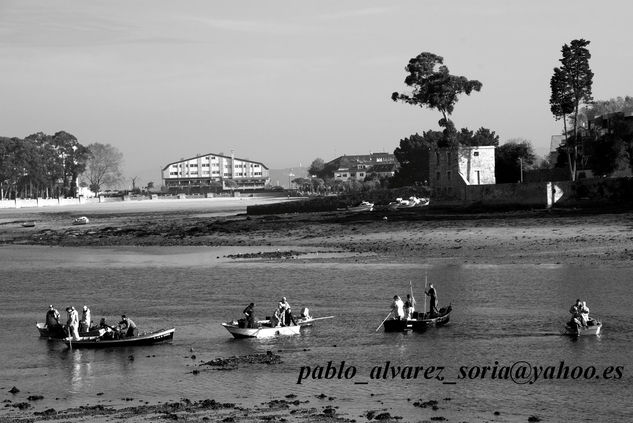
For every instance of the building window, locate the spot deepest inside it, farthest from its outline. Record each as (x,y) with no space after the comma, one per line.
(476,153)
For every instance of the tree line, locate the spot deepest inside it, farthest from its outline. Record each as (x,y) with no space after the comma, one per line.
(42,165)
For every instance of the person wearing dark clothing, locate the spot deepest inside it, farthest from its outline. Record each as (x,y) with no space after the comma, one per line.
(249,312)
(128,326)
(432,300)
(55,329)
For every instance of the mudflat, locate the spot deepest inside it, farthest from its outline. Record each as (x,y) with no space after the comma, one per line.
(420,235)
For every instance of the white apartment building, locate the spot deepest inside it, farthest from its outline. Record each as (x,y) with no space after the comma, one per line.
(208,171)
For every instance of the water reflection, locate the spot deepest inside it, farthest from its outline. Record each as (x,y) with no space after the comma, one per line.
(501,313)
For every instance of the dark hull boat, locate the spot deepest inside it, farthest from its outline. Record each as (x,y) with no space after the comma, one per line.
(593,328)
(61,332)
(420,321)
(152,338)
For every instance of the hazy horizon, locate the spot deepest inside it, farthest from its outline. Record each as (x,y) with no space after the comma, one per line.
(284,82)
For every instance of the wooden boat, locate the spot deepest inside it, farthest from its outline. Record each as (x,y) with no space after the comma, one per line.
(420,321)
(152,338)
(263,330)
(363,206)
(593,328)
(28,224)
(44,332)
(81,221)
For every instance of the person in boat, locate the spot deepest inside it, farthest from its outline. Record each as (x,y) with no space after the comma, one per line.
(128,327)
(576,318)
(285,313)
(249,312)
(432,293)
(52,322)
(84,324)
(275,321)
(110,332)
(397,308)
(72,323)
(305,313)
(409,307)
(584,313)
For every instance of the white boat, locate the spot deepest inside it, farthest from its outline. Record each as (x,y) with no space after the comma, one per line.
(81,220)
(263,329)
(363,206)
(593,328)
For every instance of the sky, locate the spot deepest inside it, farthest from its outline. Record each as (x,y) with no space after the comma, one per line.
(284,82)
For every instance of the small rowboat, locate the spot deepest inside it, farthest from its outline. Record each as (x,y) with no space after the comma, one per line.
(263,330)
(363,206)
(152,338)
(420,321)
(593,328)
(83,220)
(44,332)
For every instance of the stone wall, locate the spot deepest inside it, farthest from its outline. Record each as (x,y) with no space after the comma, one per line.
(596,192)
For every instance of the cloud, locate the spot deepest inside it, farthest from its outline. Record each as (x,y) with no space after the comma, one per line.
(345,14)
(252,26)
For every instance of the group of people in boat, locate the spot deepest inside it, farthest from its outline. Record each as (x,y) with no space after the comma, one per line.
(282,316)
(75,327)
(579,314)
(403,310)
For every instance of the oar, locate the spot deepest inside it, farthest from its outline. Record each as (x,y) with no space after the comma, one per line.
(381,323)
(321,318)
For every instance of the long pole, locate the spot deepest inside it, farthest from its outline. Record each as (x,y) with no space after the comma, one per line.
(425,282)
(381,323)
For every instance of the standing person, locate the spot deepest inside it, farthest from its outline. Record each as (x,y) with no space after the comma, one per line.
(249,312)
(128,326)
(409,307)
(84,324)
(584,313)
(52,323)
(285,312)
(397,308)
(72,324)
(432,300)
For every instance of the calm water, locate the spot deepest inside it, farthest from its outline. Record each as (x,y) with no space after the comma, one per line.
(501,313)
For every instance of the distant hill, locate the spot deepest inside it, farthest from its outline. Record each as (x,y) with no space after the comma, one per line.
(280,176)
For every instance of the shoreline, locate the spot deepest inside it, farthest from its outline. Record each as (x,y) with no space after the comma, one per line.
(533,237)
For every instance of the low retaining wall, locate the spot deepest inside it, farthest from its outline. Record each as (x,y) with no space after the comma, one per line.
(40,202)
(593,192)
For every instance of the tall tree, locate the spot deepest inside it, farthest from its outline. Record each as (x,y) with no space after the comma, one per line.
(103,168)
(433,86)
(571,87)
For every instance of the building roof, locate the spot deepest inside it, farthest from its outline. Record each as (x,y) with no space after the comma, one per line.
(383,168)
(216,155)
(362,158)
